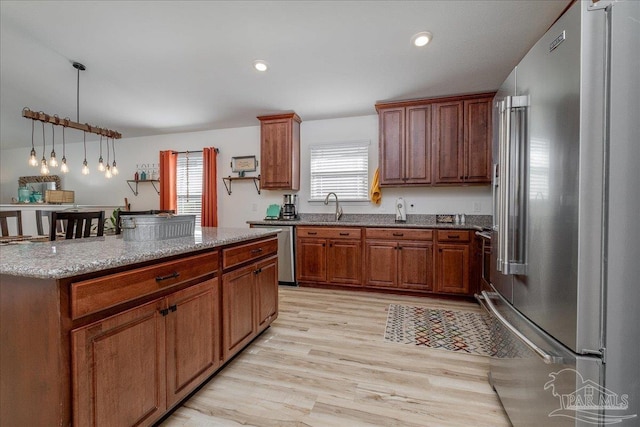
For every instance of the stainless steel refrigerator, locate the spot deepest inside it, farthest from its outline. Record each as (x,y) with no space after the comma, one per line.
(565,260)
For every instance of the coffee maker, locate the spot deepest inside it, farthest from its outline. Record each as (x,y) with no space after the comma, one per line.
(289,209)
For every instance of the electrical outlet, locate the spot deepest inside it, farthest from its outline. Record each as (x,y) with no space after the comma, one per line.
(412,207)
(476,207)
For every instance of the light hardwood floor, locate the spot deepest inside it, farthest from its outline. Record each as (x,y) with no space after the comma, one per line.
(324,362)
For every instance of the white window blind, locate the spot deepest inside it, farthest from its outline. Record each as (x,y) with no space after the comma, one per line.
(189,184)
(341,168)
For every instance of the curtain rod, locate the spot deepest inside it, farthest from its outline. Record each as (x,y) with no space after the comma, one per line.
(194,151)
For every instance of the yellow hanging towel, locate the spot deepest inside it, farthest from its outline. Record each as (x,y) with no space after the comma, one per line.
(375,194)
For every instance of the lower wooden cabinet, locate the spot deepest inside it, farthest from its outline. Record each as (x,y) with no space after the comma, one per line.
(329,255)
(399,258)
(453,262)
(128,369)
(249,303)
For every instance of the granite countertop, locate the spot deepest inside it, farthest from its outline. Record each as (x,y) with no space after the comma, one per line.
(66,258)
(473,222)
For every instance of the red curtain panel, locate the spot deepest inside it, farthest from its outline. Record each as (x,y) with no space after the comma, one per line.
(209,188)
(168,173)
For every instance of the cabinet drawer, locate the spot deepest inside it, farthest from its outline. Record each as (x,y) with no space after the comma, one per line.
(399,234)
(329,232)
(90,296)
(243,253)
(453,236)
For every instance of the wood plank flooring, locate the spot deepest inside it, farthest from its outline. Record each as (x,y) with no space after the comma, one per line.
(324,362)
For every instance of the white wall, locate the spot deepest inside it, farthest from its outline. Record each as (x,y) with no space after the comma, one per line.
(244,203)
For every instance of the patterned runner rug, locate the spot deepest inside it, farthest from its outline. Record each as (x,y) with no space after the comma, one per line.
(461,331)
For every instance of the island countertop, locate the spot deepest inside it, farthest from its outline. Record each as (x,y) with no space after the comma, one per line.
(66,258)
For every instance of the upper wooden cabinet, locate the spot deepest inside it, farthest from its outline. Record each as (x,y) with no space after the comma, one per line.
(280,152)
(405,145)
(437,141)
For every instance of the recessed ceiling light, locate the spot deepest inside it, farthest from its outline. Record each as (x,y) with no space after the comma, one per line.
(260,65)
(421,39)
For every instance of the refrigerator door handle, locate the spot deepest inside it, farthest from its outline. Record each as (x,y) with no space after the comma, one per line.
(512,198)
(546,357)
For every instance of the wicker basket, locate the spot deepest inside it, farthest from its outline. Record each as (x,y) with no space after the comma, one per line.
(144,228)
(59,196)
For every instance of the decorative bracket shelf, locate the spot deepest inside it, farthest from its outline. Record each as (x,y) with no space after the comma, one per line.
(227,181)
(152,181)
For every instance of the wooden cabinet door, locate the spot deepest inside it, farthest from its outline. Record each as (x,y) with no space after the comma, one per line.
(477,140)
(344,262)
(449,142)
(381,266)
(417,154)
(452,263)
(311,260)
(193,336)
(238,324)
(416,266)
(119,369)
(267,292)
(392,147)
(275,154)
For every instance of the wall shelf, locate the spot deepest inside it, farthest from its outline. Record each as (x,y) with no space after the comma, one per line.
(229,179)
(136,182)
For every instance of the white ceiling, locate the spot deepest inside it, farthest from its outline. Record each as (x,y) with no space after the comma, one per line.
(156,67)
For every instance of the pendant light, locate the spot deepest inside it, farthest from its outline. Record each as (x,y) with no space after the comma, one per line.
(53,162)
(44,169)
(114,168)
(100,162)
(85,165)
(63,166)
(33,161)
(108,174)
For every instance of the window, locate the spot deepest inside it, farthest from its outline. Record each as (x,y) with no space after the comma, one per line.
(341,168)
(189,184)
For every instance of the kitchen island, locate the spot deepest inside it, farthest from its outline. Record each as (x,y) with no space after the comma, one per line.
(102,331)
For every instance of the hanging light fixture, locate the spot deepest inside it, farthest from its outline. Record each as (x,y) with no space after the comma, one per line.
(85,165)
(53,162)
(100,162)
(114,168)
(63,166)
(55,120)
(108,174)
(33,161)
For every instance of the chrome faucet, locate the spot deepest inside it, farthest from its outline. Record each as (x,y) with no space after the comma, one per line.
(338,208)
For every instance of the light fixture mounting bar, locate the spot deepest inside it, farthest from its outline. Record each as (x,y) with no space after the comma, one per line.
(43,117)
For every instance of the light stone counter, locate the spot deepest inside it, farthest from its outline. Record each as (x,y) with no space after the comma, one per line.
(66,258)
(473,222)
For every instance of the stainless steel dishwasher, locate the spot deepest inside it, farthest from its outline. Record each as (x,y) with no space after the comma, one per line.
(286,253)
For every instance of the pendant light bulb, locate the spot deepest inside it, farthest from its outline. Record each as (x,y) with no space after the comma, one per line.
(85,168)
(63,166)
(33,160)
(114,168)
(53,162)
(100,165)
(108,174)
(44,169)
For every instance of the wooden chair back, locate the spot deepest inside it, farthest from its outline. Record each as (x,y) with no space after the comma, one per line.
(78,223)
(40,226)
(4,225)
